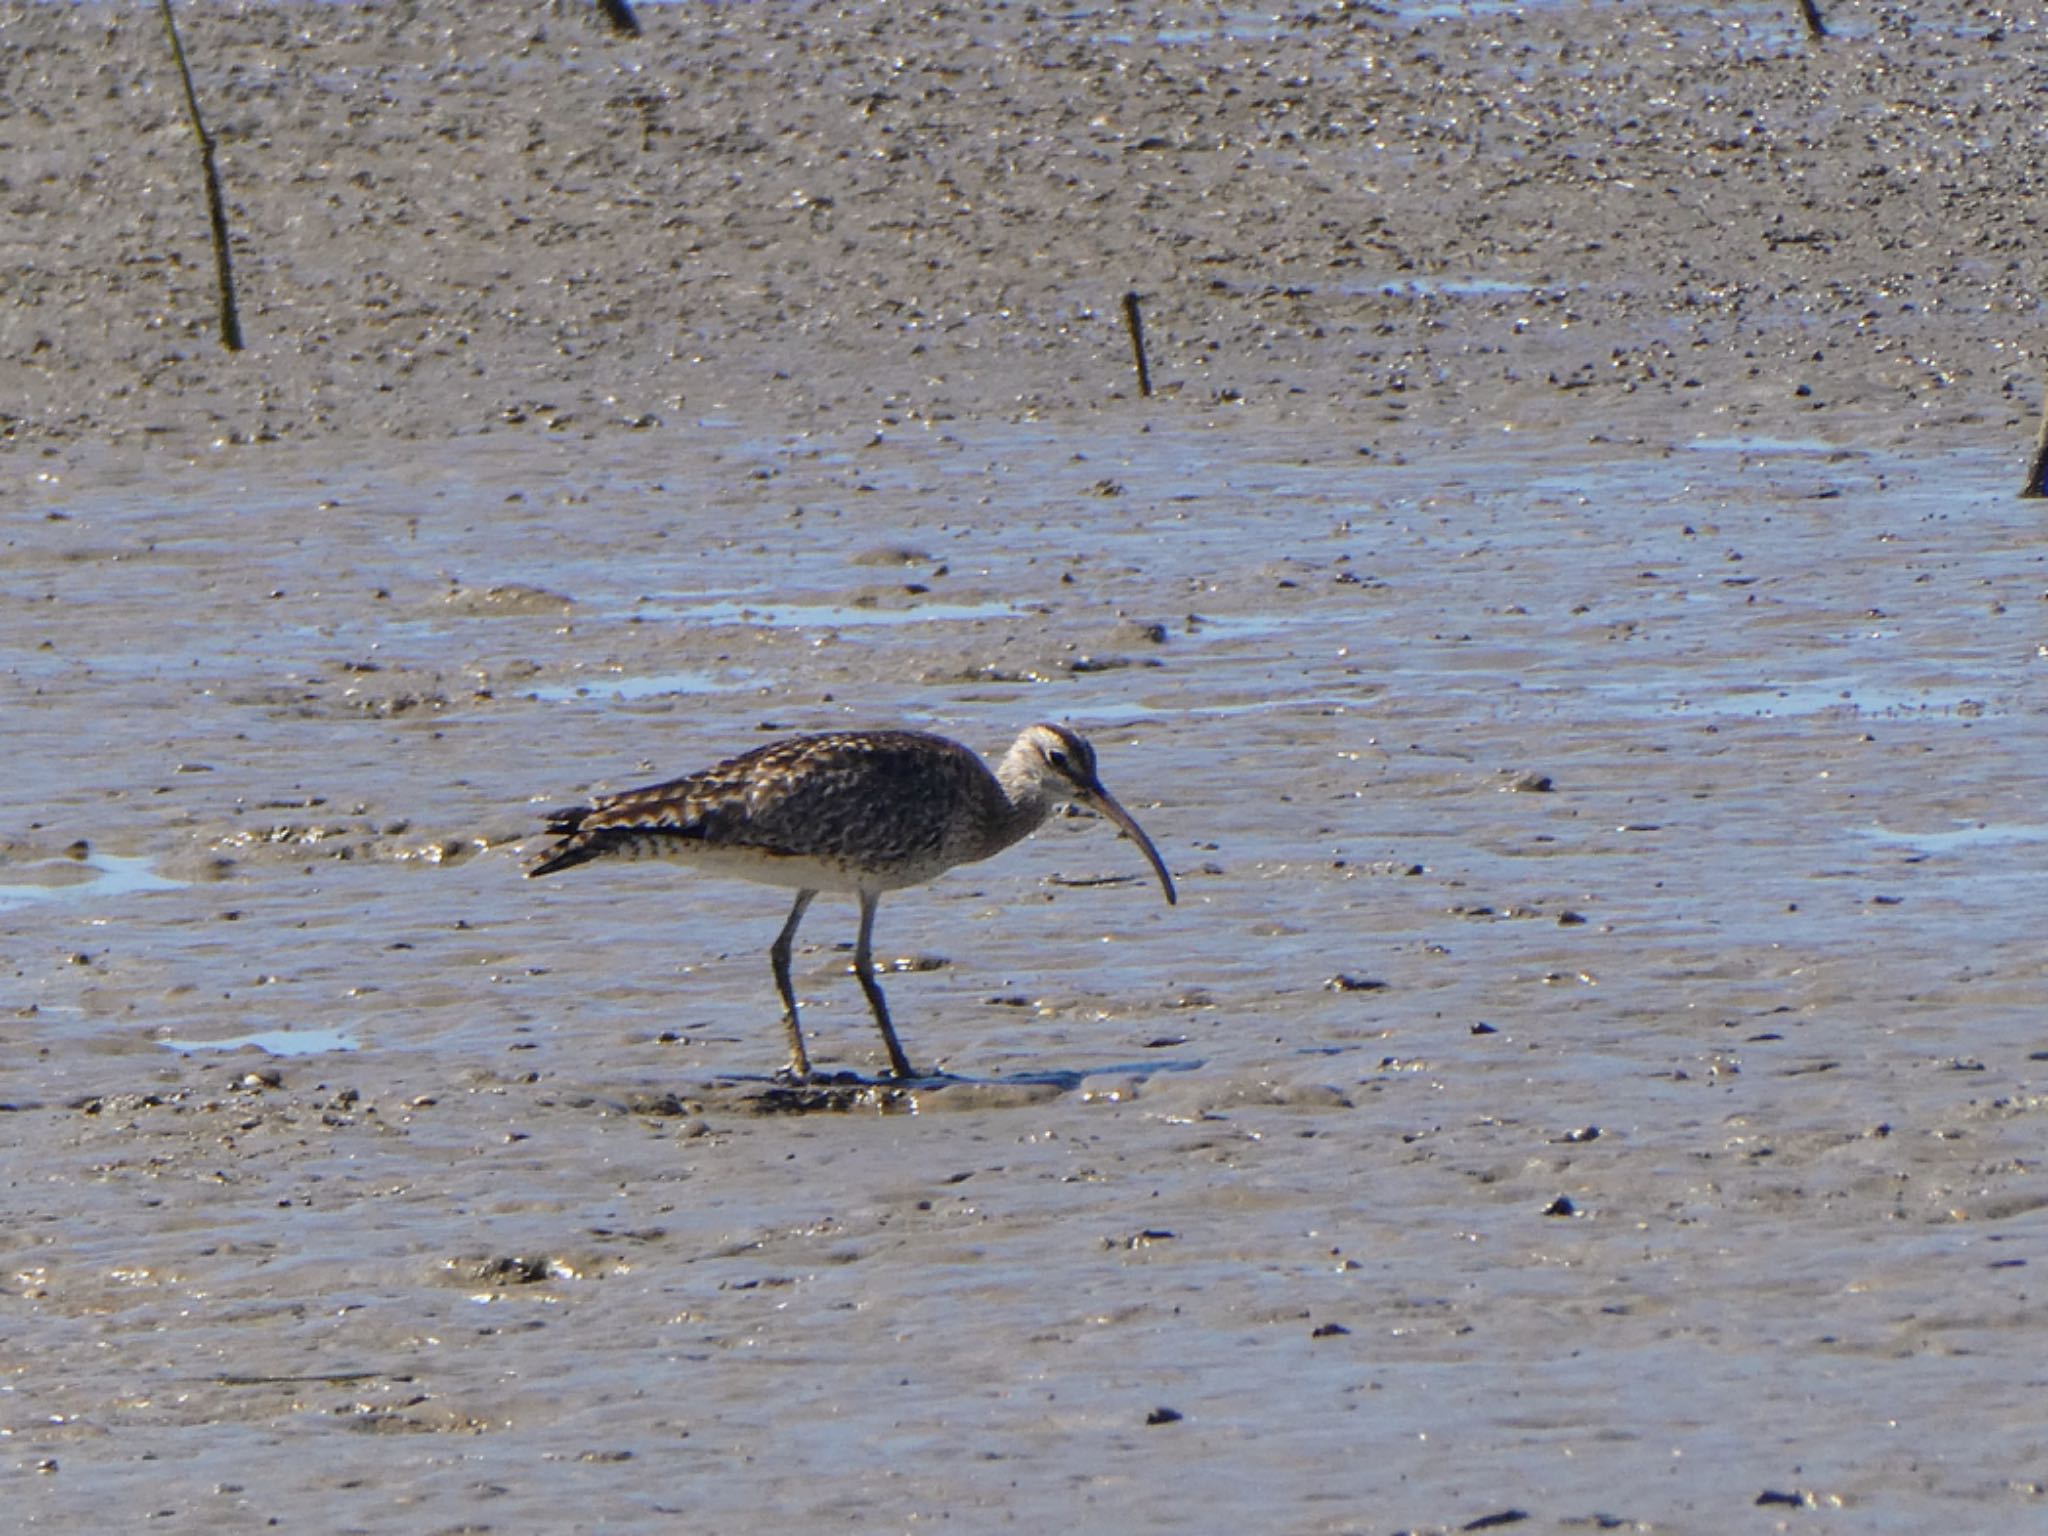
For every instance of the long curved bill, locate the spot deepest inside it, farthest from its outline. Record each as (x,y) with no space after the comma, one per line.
(1102,800)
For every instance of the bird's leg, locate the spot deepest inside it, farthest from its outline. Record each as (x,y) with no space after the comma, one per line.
(778,953)
(864,968)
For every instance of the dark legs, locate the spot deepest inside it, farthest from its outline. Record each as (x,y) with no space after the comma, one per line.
(778,953)
(863,967)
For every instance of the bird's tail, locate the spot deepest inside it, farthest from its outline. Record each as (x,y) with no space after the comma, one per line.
(573,849)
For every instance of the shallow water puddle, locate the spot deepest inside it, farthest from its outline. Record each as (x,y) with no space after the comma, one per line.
(800,615)
(1685,693)
(1965,838)
(272,1042)
(629,686)
(94,877)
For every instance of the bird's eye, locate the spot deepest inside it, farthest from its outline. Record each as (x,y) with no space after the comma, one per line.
(1058,759)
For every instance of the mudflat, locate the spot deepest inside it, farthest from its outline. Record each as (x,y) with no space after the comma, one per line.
(1564,614)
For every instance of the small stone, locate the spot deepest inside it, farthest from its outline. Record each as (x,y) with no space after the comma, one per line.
(1345,982)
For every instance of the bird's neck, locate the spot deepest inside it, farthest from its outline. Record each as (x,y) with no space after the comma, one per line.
(1025,805)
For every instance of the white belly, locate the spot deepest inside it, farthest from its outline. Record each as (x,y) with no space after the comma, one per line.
(791,871)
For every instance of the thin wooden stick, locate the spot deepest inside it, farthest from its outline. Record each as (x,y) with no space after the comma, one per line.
(620,14)
(230,320)
(2037,472)
(1135,324)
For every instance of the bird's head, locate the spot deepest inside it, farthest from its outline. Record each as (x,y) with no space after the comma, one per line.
(1056,762)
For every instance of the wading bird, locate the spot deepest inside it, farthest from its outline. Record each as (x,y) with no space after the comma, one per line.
(857,811)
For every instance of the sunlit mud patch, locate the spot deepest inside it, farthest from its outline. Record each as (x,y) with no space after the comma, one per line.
(1210,1095)
(80,876)
(512,599)
(345,835)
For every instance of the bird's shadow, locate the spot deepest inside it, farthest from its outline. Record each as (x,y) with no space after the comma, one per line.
(842,1092)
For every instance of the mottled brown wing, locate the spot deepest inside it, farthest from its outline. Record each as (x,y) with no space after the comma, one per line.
(874,799)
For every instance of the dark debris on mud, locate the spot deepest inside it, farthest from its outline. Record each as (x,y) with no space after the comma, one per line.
(839,1093)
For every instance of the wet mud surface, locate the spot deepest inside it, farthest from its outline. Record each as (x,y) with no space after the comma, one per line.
(1594,1076)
